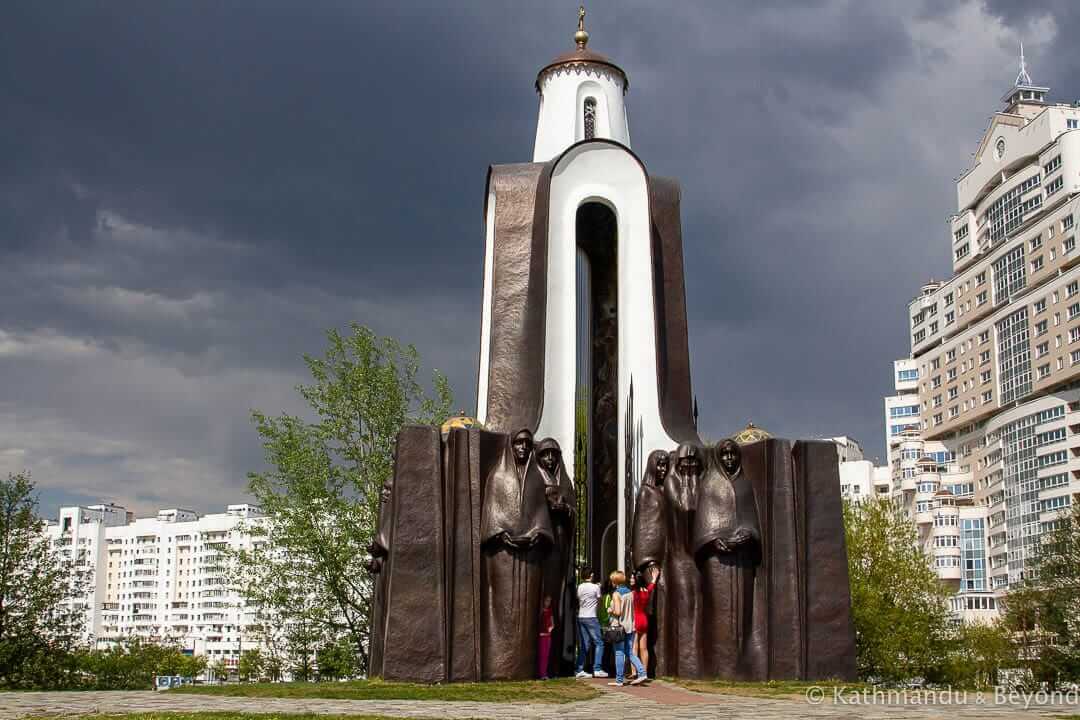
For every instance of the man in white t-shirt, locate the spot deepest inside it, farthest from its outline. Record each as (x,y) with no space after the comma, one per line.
(588,626)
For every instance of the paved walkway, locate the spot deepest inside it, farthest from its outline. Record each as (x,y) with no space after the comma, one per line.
(659,701)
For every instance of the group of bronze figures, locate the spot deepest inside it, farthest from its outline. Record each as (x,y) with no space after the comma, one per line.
(748,541)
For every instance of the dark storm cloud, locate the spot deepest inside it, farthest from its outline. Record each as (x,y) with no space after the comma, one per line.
(191,192)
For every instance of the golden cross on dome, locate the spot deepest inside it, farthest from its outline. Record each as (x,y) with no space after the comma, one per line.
(581,37)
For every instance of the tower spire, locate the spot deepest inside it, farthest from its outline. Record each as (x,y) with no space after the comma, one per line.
(1022,77)
(581,37)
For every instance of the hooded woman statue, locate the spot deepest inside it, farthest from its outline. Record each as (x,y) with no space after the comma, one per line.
(678,615)
(726,543)
(559,567)
(515,535)
(647,543)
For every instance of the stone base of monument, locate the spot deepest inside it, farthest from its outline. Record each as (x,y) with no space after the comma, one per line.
(463,541)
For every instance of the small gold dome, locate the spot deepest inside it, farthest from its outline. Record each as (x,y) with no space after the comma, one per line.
(461,420)
(751,433)
(581,37)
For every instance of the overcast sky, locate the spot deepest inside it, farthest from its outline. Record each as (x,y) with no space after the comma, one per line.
(191,192)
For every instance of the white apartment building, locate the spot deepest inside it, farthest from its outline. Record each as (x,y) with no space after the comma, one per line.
(160,578)
(991,391)
(861,479)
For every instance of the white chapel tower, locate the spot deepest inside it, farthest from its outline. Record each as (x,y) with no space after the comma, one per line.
(581,98)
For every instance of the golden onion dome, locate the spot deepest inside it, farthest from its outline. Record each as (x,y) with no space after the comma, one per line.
(751,433)
(461,420)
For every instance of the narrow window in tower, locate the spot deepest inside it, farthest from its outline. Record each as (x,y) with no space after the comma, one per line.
(590,118)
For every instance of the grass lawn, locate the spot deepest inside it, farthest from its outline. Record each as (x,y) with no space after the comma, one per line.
(549,691)
(780,689)
(214,716)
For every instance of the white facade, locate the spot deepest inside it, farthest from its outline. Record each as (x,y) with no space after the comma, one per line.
(564,91)
(160,578)
(861,479)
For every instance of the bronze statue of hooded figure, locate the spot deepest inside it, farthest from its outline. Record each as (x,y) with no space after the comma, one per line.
(558,566)
(515,537)
(726,542)
(662,535)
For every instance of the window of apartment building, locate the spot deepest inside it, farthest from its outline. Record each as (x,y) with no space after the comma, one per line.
(1052,166)
(920,335)
(980,279)
(933,327)
(953,392)
(1066,223)
(1073,310)
(1008,212)
(1042,349)
(961,252)
(1037,264)
(950,375)
(1055,458)
(1008,275)
(907,375)
(1053,254)
(984,337)
(948,299)
(984,357)
(1044,371)
(937,419)
(1014,358)
(981,298)
(987,396)
(1036,242)
(984,376)
(950,355)
(1057,503)
(1069,245)
(1041,327)
(1055,185)
(1053,481)
(937,401)
(932,310)
(1039,306)
(950,317)
(935,363)
(1071,123)
(1074,357)
(954,411)
(960,234)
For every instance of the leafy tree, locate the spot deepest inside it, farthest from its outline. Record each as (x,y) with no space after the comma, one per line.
(336,660)
(41,619)
(218,670)
(132,665)
(978,652)
(251,666)
(898,603)
(1043,611)
(307,576)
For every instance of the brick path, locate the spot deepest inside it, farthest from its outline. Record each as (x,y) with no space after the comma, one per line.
(658,701)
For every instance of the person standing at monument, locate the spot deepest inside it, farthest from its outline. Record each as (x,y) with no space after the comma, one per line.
(622,611)
(547,624)
(588,626)
(642,595)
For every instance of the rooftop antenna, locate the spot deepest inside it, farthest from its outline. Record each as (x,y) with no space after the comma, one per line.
(1022,77)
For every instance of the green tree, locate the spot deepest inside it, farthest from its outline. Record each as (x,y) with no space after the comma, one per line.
(41,618)
(336,660)
(307,574)
(218,670)
(1043,610)
(978,652)
(898,605)
(251,666)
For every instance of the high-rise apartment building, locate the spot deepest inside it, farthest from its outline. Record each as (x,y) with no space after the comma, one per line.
(983,432)
(160,578)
